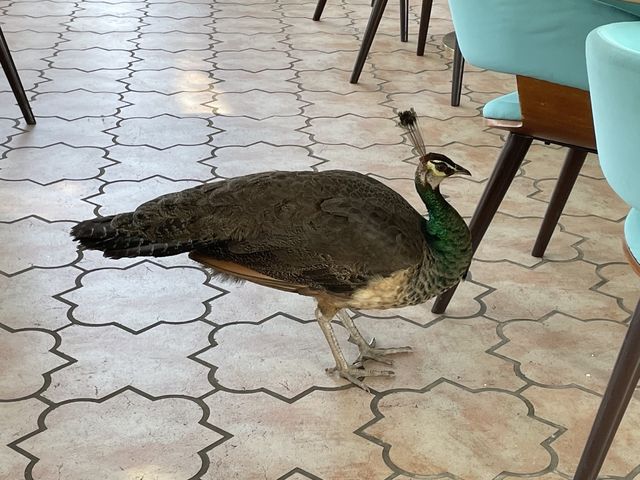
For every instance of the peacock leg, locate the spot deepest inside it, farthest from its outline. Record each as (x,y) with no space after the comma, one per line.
(350,373)
(368,350)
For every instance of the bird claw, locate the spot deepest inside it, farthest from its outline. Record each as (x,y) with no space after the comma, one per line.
(379,354)
(354,374)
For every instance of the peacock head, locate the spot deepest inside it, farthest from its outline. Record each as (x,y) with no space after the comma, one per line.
(433,167)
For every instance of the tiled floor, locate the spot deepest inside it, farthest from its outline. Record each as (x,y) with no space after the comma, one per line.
(152,370)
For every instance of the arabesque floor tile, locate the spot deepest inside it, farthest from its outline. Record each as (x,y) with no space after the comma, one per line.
(139,369)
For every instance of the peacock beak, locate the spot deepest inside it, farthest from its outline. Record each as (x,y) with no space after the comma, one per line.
(462,171)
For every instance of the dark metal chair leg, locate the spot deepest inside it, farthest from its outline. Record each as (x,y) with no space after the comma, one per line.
(456,80)
(369,34)
(14,80)
(509,161)
(319,9)
(404,20)
(623,381)
(425,18)
(568,175)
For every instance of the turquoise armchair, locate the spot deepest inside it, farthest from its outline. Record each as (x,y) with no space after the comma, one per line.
(542,42)
(613,64)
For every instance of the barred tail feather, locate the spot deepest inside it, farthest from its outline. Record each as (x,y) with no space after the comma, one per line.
(118,242)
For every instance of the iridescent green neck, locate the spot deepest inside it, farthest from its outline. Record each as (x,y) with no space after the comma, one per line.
(445,230)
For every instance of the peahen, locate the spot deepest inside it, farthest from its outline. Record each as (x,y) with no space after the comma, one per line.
(341,237)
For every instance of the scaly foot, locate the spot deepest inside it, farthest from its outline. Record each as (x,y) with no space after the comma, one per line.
(369,351)
(354,374)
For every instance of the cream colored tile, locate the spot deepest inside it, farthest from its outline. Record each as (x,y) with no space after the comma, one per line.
(470,131)
(364,104)
(56,201)
(548,476)
(175,41)
(305,10)
(575,410)
(297,351)
(257,104)
(162,131)
(93,259)
(127,195)
(544,161)
(29,79)
(322,61)
(355,131)
(42,8)
(185,60)
(236,161)
(85,132)
(17,419)
(152,104)
(275,130)
(234,10)
(464,194)
(104,24)
(316,433)
(328,24)
(98,9)
(33,59)
(32,242)
(167,24)
(108,41)
(249,24)
(25,357)
(77,104)
(512,239)
(179,9)
(18,41)
(265,80)
(588,197)
(137,163)
(407,188)
(9,105)
(20,23)
(8,129)
(324,42)
(170,80)
(242,41)
(454,349)
(621,282)
(93,59)
(422,83)
(252,60)
(604,237)
(531,294)
(435,105)
(405,61)
(98,81)
(163,438)
(380,160)
(489,82)
(38,164)
(27,300)
(337,81)
(563,351)
(173,295)
(423,429)
(141,363)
